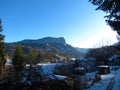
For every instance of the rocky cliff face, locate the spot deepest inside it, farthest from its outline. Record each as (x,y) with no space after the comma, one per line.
(47,40)
(50,44)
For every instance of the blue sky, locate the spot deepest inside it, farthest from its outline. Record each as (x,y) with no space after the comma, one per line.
(75,20)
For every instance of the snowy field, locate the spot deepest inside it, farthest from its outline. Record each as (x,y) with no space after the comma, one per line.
(116,85)
(109,82)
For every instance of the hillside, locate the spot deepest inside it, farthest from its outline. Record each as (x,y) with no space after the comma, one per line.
(83,50)
(47,44)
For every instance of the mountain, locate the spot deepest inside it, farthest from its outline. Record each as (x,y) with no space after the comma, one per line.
(46,40)
(47,44)
(83,50)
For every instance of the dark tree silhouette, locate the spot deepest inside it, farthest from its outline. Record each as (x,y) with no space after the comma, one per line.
(2,51)
(18,61)
(112,9)
(31,56)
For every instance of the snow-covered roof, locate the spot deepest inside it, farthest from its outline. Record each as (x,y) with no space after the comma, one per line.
(48,64)
(103,66)
(80,68)
(48,68)
(60,77)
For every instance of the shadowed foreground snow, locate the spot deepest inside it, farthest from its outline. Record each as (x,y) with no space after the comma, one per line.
(109,82)
(116,85)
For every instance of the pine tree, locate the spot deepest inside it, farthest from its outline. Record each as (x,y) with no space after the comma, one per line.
(18,61)
(112,9)
(2,51)
(32,56)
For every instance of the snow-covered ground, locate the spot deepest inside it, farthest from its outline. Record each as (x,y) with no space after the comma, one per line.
(109,82)
(116,85)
